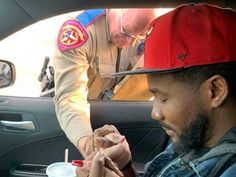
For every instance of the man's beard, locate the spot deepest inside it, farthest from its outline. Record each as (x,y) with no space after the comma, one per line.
(193,135)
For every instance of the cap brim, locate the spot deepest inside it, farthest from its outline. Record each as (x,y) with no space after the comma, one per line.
(145,71)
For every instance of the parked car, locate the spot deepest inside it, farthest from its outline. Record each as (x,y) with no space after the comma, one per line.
(30,135)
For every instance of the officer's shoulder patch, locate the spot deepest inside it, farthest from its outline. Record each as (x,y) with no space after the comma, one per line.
(71,35)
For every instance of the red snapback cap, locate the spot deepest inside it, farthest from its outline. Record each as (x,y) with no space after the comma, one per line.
(190,35)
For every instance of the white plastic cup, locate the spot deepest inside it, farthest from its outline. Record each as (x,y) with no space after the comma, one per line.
(58,170)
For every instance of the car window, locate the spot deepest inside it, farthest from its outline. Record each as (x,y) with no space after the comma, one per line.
(28,49)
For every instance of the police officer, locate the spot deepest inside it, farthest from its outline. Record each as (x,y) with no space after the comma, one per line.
(87,52)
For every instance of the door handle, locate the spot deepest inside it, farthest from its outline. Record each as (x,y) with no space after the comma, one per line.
(23,125)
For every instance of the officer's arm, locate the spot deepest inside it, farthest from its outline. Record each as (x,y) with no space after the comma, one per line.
(72,108)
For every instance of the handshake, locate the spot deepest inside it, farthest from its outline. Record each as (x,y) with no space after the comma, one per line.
(106,153)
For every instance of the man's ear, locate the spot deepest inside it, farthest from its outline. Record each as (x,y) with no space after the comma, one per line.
(217,90)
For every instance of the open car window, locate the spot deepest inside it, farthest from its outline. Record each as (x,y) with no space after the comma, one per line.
(30,47)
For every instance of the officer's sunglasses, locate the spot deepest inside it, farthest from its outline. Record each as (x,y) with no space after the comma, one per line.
(132,36)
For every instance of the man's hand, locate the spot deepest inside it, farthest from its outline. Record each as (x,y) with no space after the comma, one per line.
(99,165)
(120,153)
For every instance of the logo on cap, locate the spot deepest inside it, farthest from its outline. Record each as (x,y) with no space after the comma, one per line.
(181,56)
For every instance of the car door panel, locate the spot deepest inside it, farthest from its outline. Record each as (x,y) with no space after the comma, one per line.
(46,143)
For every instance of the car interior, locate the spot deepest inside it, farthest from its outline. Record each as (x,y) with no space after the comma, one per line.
(30,135)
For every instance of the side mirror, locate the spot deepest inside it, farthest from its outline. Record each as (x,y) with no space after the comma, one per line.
(7,73)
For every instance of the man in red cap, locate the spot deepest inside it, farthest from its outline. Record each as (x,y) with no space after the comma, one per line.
(190,62)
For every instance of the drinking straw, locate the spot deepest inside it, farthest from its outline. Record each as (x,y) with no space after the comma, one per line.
(66,157)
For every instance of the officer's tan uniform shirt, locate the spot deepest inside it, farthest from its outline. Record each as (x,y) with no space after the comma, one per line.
(132,87)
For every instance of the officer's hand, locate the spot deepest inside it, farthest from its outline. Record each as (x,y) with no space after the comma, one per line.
(99,139)
(99,165)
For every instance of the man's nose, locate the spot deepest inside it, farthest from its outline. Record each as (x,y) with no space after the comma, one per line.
(156,112)
(156,115)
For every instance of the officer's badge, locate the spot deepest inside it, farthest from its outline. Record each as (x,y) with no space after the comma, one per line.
(72,34)
(140,48)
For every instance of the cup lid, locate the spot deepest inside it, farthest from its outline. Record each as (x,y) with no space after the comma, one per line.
(58,170)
